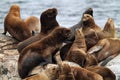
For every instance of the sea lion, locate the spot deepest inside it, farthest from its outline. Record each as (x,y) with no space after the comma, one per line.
(92,36)
(41,51)
(48,24)
(33,23)
(108,31)
(14,24)
(105,72)
(79,24)
(106,49)
(78,73)
(78,49)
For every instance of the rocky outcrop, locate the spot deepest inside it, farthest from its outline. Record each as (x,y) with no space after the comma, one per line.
(8,58)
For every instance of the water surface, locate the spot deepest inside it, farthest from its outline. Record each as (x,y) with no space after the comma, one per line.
(69,11)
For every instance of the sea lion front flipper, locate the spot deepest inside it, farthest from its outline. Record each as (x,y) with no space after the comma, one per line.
(99,46)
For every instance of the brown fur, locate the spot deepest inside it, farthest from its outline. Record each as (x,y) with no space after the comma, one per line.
(66,73)
(105,72)
(90,60)
(78,49)
(106,48)
(33,24)
(14,25)
(41,51)
(48,24)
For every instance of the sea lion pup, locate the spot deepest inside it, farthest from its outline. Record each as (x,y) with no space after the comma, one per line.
(105,72)
(41,51)
(79,24)
(77,51)
(33,24)
(106,49)
(14,24)
(48,24)
(48,72)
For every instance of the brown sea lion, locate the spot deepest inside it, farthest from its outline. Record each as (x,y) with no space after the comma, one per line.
(78,49)
(76,72)
(108,31)
(79,73)
(33,23)
(14,24)
(41,51)
(79,24)
(106,49)
(92,36)
(105,72)
(48,24)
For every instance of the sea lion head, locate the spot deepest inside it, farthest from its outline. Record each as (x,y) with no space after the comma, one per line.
(48,16)
(89,11)
(64,33)
(48,20)
(15,9)
(109,25)
(52,71)
(79,33)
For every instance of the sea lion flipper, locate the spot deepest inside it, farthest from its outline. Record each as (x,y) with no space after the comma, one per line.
(108,59)
(94,49)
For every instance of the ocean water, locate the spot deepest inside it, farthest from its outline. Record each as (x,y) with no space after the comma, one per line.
(69,11)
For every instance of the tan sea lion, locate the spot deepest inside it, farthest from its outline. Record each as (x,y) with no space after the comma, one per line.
(14,24)
(42,51)
(78,49)
(106,49)
(33,23)
(48,24)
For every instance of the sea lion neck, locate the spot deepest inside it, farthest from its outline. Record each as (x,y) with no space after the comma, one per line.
(89,24)
(48,25)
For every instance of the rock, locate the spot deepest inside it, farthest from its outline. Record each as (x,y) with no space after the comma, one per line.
(8,58)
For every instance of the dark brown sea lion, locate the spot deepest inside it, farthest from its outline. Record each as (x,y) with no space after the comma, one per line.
(14,24)
(105,72)
(106,49)
(48,24)
(33,23)
(42,51)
